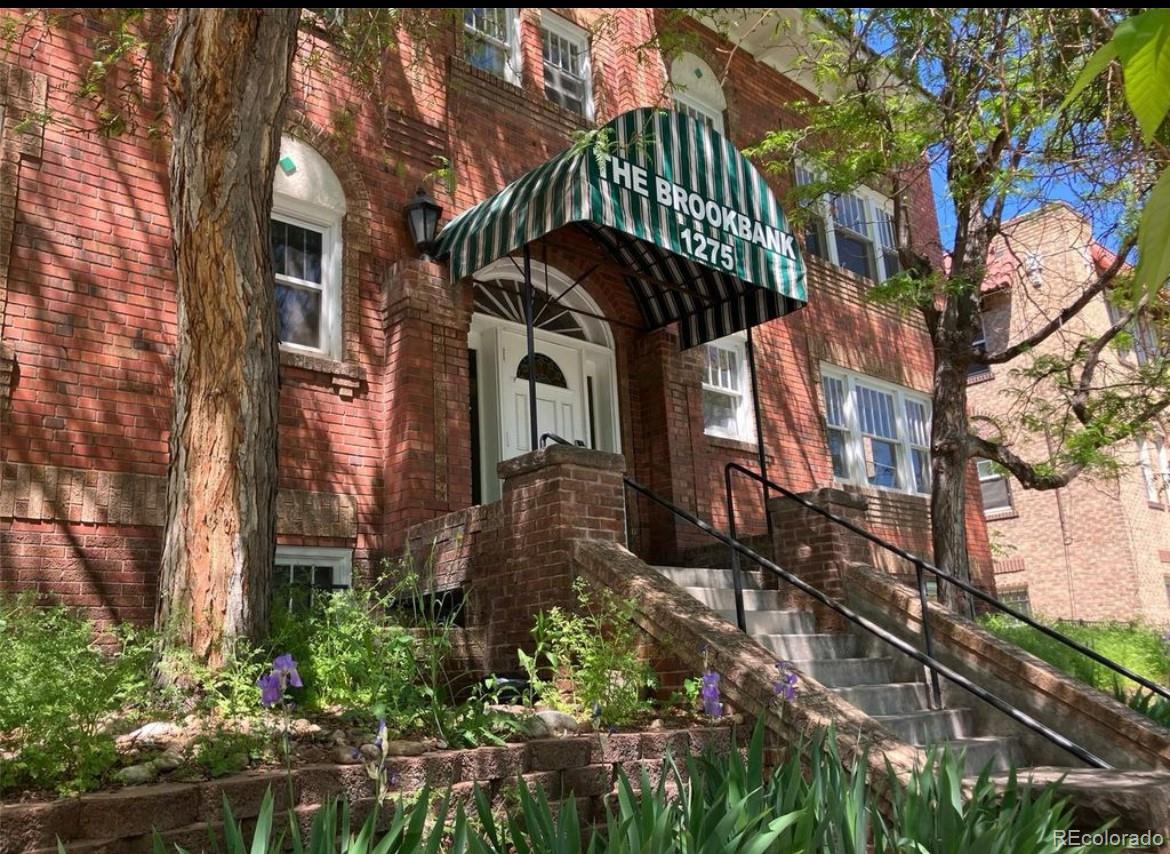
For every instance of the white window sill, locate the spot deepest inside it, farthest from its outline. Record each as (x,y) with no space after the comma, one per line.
(720,440)
(873,489)
(345,377)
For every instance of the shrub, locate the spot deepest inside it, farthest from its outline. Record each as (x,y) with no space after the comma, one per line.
(59,689)
(1137,646)
(588,662)
(352,653)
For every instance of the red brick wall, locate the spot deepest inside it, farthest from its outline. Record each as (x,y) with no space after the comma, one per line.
(87,307)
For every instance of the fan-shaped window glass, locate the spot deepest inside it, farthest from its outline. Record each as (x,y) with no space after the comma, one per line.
(505,299)
(547,371)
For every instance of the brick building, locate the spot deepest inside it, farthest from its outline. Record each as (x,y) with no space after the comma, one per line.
(1098,549)
(399,385)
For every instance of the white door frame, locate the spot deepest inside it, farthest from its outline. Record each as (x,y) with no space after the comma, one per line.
(597,362)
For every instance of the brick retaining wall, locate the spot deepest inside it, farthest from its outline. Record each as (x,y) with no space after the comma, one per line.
(583,767)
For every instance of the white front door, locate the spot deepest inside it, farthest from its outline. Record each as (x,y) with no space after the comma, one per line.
(560,391)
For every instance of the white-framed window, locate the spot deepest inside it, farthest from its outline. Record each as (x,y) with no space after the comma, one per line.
(695,91)
(493,41)
(305,236)
(878,433)
(1145,339)
(854,230)
(993,484)
(1148,456)
(1017,597)
(975,369)
(304,572)
(728,405)
(568,79)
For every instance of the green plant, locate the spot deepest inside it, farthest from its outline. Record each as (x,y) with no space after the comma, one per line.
(225,751)
(1146,703)
(61,691)
(353,653)
(1135,645)
(812,802)
(588,661)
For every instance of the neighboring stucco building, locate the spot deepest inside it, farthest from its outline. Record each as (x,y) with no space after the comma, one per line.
(1098,549)
(398,385)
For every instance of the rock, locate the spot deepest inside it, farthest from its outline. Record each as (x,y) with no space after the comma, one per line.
(345,755)
(134,775)
(371,752)
(405,748)
(544,724)
(656,725)
(302,728)
(339,736)
(168,760)
(154,734)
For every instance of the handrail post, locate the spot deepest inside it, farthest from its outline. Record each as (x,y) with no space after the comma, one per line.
(736,580)
(927,644)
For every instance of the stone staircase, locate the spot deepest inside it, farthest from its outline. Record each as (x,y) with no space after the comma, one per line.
(894,693)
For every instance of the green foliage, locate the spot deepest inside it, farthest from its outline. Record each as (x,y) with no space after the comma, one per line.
(352,652)
(813,802)
(587,662)
(60,690)
(1134,645)
(1142,45)
(1146,703)
(225,751)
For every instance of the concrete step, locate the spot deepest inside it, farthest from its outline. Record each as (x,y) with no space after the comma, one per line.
(929,726)
(723,598)
(1001,751)
(847,672)
(686,576)
(787,622)
(892,699)
(792,646)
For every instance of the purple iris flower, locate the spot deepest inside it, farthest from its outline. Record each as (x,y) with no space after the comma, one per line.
(709,692)
(785,684)
(381,733)
(270,689)
(286,666)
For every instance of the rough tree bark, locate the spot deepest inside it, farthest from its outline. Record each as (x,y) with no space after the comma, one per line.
(227,80)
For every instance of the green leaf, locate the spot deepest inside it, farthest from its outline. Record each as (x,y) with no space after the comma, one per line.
(1154,237)
(1145,57)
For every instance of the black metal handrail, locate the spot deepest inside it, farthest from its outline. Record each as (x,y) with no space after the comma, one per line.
(921,566)
(936,667)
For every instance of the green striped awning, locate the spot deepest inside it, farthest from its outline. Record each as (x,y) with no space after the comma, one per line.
(698,231)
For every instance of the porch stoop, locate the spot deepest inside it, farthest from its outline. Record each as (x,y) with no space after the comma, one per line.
(837,661)
(878,701)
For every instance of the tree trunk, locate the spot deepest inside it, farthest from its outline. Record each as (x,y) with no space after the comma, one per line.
(948,460)
(227,77)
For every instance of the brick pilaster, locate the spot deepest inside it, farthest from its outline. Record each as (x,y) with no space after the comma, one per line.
(818,549)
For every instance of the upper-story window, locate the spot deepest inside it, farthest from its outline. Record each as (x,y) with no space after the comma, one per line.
(1154,462)
(978,369)
(695,91)
(878,433)
(728,405)
(854,230)
(308,207)
(568,80)
(1145,339)
(994,487)
(493,41)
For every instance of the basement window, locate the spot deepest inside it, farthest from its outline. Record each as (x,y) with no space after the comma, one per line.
(303,574)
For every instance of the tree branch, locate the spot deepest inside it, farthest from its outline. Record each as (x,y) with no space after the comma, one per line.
(1068,313)
(1023,471)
